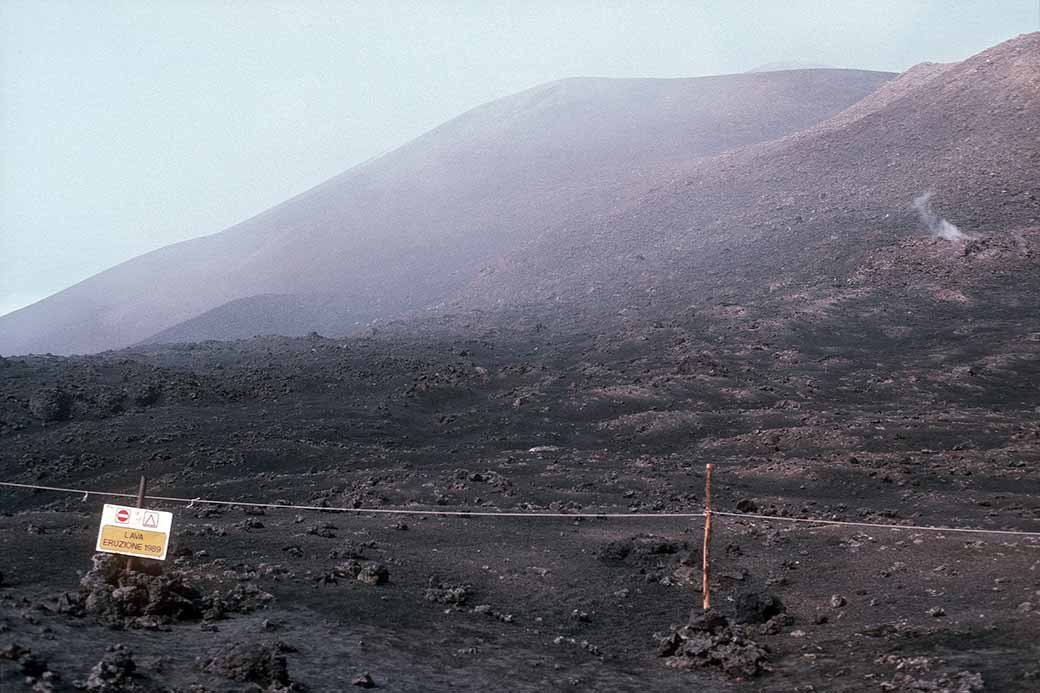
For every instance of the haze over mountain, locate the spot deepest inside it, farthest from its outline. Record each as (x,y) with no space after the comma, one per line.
(598,194)
(805,208)
(789,65)
(410,228)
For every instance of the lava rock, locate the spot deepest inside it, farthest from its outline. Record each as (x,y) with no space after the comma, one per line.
(757,607)
(144,394)
(363,681)
(51,404)
(117,597)
(642,550)
(373,574)
(710,641)
(262,663)
(110,403)
(70,604)
(325,531)
(444,593)
(746,505)
(243,598)
(707,621)
(115,671)
(29,663)
(348,569)
(957,682)
(615,551)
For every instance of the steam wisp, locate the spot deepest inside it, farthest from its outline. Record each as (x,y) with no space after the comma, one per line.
(938,226)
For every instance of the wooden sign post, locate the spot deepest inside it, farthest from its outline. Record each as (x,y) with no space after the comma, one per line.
(135,532)
(141,487)
(706,591)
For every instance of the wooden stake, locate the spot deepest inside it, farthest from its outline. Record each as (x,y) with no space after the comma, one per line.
(141,488)
(707,537)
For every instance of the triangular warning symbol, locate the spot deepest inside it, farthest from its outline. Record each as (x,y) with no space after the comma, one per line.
(151,520)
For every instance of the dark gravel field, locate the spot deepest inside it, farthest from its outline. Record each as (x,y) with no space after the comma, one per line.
(882,400)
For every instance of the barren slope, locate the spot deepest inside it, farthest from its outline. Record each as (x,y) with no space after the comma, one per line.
(418,223)
(794,216)
(804,209)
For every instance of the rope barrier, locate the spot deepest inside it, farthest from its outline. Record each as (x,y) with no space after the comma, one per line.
(879,525)
(515,514)
(383,511)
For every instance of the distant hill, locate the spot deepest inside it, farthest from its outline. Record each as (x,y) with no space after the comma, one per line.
(611,200)
(808,207)
(790,65)
(418,225)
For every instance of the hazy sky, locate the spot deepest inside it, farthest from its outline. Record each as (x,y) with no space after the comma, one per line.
(126,126)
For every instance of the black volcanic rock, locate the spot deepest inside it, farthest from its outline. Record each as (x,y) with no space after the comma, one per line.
(261,663)
(51,404)
(115,596)
(755,607)
(115,671)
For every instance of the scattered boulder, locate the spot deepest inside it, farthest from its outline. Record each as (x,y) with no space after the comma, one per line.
(707,621)
(262,663)
(348,569)
(920,673)
(243,598)
(746,505)
(29,663)
(757,607)
(593,650)
(70,604)
(363,681)
(640,549)
(658,559)
(440,592)
(142,597)
(615,551)
(144,394)
(115,671)
(326,530)
(710,641)
(959,682)
(498,615)
(373,573)
(353,549)
(51,404)
(370,572)
(108,403)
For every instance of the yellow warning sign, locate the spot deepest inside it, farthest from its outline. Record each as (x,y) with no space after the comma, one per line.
(134,531)
(133,542)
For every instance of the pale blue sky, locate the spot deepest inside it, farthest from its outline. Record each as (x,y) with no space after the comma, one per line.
(126,126)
